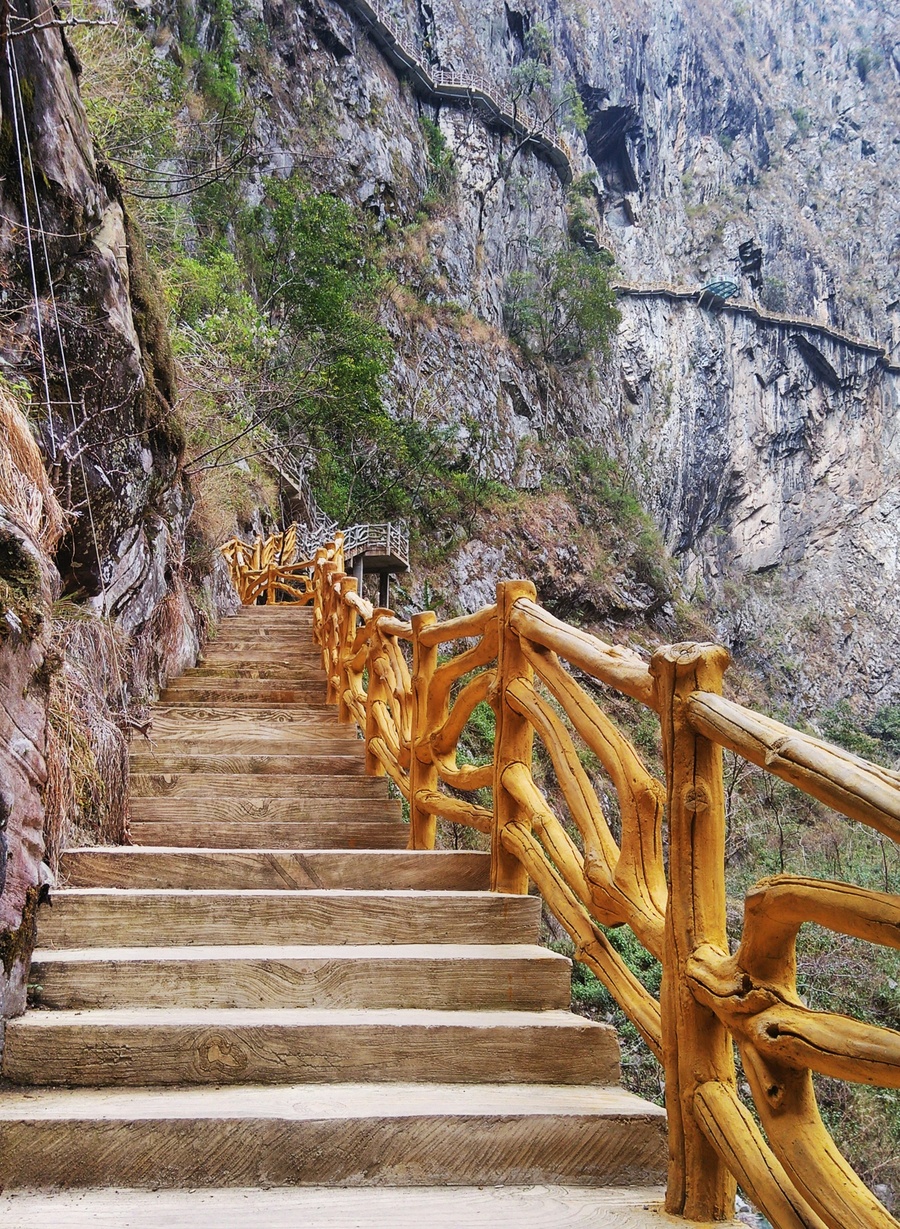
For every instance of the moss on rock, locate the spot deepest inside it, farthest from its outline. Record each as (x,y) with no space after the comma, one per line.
(21,589)
(18,944)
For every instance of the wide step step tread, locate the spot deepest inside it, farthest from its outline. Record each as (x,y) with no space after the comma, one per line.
(250,810)
(346,760)
(302,834)
(283,1045)
(349,1134)
(150,917)
(164,867)
(322,1207)
(446,976)
(276,785)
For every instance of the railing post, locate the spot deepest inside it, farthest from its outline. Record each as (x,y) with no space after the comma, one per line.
(346,636)
(319,595)
(696,1046)
(375,691)
(423,772)
(329,647)
(513,740)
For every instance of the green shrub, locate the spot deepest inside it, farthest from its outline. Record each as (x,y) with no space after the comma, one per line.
(562,307)
(840,725)
(801,118)
(217,71)
(441,164)
(866,61)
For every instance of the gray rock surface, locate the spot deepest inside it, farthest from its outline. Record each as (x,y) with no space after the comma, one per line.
(763,447)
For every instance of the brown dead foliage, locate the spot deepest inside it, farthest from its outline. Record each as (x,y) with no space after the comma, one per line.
(85,798)
(25,488)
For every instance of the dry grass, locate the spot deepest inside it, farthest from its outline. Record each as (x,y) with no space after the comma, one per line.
(85,799)
(25,488)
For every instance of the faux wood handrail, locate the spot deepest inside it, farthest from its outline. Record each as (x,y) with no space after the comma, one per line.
(853,786)
(621,669)
(413,707)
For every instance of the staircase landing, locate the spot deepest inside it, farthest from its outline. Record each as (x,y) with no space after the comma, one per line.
(267,990)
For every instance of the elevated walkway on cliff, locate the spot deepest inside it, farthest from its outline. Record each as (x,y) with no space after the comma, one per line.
(269,989)
(738,307)
(461,89)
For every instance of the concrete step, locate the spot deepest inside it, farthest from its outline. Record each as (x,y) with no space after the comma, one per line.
(284,614)
(251,729)
(309,680)
(480,977)
(304,834)
(310,672)
(268,693)
(254,655)
(169,1047)
(269,708)
(135,867)
(220,739)
(347,1135)
(243,784)
(318,1207)
(349,759)
(263,641)
(153,917)
(252,810)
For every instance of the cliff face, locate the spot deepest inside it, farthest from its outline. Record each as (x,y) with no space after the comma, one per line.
(83,328)
(763,446)
(78,291)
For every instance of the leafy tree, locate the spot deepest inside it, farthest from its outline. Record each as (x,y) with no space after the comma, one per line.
(316,283)
(562,307)
(531,84)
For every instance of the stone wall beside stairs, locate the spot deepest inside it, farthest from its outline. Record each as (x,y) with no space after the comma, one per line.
(29,583)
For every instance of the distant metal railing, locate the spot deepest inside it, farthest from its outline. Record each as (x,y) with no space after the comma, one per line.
(513,114)
(279,568)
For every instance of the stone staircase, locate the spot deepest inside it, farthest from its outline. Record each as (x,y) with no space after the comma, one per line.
(268,990)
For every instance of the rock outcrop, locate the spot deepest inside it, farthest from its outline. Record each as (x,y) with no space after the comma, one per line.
(750,143)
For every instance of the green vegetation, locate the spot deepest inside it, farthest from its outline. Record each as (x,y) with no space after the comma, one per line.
(441,166)
(801,118)
(217,70)
(866,61)
(562,307)
(21,592)
(774,294)
(877,738)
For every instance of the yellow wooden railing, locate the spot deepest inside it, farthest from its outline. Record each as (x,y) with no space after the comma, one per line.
(269,568)
(412,701)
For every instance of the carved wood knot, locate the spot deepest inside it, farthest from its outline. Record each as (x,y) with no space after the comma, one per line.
(217,1053)
(696,799)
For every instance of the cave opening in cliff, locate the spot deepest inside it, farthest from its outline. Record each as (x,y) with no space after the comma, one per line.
(608,130)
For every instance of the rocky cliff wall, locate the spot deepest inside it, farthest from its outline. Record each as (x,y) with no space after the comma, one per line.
(763,449)
(84,350)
